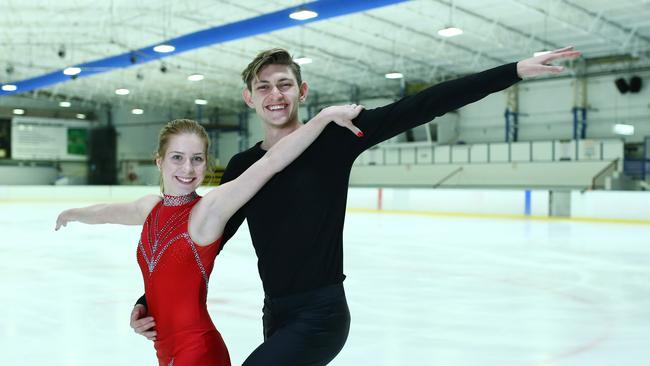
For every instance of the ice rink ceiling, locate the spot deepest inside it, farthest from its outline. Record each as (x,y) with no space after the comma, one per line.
(350,50)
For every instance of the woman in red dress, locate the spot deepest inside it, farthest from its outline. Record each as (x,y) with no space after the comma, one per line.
(182,231)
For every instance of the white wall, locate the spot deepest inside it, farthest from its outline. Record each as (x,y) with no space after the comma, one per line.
(609,106)
(483,121)
(137,135)
(545,109)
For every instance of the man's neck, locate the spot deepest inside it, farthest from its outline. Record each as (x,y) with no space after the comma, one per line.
(273,134)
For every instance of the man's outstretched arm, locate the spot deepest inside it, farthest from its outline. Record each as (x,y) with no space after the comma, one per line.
(382,123)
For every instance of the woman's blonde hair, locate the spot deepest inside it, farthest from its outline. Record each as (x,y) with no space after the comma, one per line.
(179,127)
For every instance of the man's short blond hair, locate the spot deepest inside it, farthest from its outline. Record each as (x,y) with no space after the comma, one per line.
(274,56)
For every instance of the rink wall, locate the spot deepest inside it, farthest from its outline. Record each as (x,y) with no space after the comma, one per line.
(607,206)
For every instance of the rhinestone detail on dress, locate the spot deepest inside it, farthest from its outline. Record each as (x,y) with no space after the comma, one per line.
(169,200)
(158,239)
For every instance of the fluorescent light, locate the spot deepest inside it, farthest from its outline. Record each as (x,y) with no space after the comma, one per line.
(137,111)
(164,48)
(623,129)
(122,91)
(81,116)
(303,13)
(9,87)
(72,71)
(200,101)
(196,77)
(450,32)
(65,104)
(19,111)
(394,75)
(539,53)
(302,60)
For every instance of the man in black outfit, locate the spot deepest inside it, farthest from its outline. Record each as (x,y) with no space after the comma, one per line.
(296,220)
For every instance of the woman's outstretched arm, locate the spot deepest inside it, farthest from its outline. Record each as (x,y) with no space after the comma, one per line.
(131,213)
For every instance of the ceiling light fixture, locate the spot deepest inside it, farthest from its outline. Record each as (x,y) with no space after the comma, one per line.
(137,111)
(200,101)
(196,77)
(122,91)
(81,116)
(65,104)
(164,48)
(394,75)
(9,87)
(19,111)
(302,60)
(450,31)
(623,129)
(303,13)
(70,71)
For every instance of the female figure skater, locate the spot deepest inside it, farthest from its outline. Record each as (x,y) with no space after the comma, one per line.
(181,233)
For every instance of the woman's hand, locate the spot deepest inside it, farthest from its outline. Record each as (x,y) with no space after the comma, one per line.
(539,65)
(343,115)
(63,219)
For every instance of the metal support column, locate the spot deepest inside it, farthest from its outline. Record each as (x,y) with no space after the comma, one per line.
(511,114)
(580,109)
(580,103)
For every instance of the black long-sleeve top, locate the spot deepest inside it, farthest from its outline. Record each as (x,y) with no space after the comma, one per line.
(296,219)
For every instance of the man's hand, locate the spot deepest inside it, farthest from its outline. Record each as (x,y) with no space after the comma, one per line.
(141,323)
(539,65)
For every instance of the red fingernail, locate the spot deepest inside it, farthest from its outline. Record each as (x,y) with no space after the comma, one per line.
(360,134)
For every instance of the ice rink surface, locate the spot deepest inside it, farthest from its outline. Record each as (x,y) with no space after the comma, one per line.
(422,290)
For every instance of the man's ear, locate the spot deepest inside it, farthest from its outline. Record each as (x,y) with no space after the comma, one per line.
(304,90)
(248,98)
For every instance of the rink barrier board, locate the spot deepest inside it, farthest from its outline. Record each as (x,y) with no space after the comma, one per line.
(591,206)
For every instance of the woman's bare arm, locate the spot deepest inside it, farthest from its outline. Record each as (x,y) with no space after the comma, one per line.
(130,213)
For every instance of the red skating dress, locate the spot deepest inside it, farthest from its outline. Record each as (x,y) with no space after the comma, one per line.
(176,272)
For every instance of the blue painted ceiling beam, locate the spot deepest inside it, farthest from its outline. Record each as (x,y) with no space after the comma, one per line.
(245,28)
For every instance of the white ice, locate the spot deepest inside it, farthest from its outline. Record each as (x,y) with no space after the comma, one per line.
(422,290)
